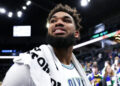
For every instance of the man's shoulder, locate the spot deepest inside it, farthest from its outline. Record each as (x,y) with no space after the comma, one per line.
(19,73)
(25,57)
(38,49)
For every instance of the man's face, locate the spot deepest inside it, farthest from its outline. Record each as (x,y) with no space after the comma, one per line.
(62,24)
(61,31)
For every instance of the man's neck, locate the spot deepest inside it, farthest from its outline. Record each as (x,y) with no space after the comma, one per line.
(64,54)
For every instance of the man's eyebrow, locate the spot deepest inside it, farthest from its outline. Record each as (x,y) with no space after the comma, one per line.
(63,17)
(53,17)
(66,17)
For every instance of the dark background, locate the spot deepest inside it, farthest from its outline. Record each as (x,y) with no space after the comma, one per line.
(98,11)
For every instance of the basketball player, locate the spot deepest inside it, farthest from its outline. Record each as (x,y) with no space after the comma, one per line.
(53,64)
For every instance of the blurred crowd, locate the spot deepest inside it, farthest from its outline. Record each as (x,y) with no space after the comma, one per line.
(108,75)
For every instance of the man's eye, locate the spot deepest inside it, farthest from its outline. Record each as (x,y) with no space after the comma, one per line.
(52,21)
(67,20)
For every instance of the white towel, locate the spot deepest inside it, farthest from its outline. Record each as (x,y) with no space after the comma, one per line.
(37,71)
(46,68)
(81,71)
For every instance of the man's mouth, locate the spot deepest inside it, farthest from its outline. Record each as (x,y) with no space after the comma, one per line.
(59,31)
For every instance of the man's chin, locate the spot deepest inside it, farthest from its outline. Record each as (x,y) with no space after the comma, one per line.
(61,41)
(60,36)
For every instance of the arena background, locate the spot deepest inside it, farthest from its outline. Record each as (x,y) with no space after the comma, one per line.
(98,14)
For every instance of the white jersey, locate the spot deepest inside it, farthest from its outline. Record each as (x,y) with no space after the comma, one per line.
(71,76)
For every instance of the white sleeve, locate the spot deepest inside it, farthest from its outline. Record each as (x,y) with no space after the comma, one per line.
(18,75)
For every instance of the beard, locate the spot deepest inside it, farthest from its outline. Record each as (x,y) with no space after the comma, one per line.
(61,42)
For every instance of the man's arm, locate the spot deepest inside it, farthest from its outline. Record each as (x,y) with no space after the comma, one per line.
(18,75)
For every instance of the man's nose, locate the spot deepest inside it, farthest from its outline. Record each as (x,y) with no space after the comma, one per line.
(59,23)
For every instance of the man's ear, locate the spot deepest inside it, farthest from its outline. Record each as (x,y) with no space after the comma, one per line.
(77,34)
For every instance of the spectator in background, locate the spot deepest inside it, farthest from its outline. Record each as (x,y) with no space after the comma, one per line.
(109,78)
(115,65)
(115,52)
(88,68)
(119,53)
(118,74)
(105,65)
(95,77)
(82,64)
(111,59)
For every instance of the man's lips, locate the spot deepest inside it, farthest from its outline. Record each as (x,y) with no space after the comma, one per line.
(59,30)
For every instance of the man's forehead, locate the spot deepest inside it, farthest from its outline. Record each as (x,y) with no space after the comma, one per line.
(62,14)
